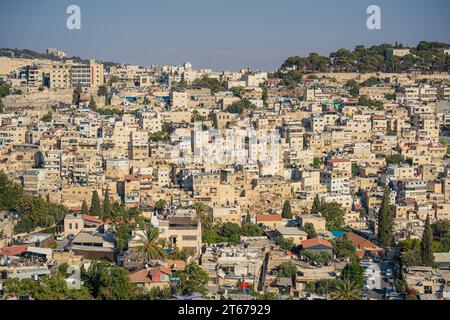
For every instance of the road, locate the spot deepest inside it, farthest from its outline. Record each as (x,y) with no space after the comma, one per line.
(376,281)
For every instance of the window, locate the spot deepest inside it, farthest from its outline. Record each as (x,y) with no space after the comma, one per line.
(70,226)
(189,238)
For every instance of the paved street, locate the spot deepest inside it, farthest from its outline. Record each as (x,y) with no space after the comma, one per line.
(376,280)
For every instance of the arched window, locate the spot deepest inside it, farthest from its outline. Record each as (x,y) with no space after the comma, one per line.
(70,226)
(76,226)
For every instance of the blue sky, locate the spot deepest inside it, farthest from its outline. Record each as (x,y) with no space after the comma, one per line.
(219,34)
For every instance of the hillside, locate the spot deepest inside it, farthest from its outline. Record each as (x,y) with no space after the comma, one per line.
(425,57)
(30,54)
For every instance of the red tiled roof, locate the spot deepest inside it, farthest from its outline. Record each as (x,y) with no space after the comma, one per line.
(92,219)
(410,202)
(359,241)
(160,269)
(145,275)
(360,253)
(315,242)
(14,250)
(268,217)
(338,161)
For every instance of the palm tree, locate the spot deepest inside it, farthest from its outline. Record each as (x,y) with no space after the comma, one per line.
(202,213)
(346,290)
(150,248)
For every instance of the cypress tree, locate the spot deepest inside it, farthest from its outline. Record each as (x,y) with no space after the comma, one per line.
(2,106)
(92,103)
(96,209)
(425,246)
(106,204)
(76,97)
(84,208)
(385,220)
(316,205)
(287,210)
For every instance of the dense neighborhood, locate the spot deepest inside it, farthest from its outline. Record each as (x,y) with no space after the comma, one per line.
(327,179)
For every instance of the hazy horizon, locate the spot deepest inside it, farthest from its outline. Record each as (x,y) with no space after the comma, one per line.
(216,35)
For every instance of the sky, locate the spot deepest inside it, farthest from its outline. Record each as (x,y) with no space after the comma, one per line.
(217,34)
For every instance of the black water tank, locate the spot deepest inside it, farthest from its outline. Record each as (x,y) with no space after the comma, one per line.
(4,274)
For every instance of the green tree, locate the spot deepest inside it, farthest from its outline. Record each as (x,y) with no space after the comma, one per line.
(346,290)
(385,220)
(180,254)
(210,83)
(237,91)
(316,205)
(317,163)
(196,117)
(287,270)
(265,93)
(35,211)
(239,107)
(108,282)
(292,78)
(354,273)
(122,236)
(333,214)
(266,296)
(441,230)
(150,248)
(47,117)
(322,287)
(158,294)
(248,218)
(2,106)
(106,205)
(46,288)
(160,205)
(92,103)
(84,207)
(371,82)
(250,230)
(102,91)
(365,101)
(193,279)
(321,258)
(353,87)
(182,85)
(113,80)
(96,209)
(5,89)
(76,97)
(355,170)
(310,230)
(344,248)
(395,159)
(287,210)
(411,257)
(425,246)
(231,232)
(285,244)
(400,284)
